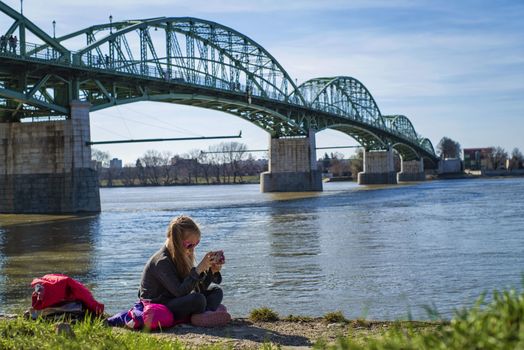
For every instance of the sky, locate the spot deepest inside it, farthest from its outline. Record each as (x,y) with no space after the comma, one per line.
(455,68)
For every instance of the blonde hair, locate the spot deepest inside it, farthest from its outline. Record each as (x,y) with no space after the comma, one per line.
(179,229)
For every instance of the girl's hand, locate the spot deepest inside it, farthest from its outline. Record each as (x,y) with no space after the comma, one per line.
(206,263)
(216,268)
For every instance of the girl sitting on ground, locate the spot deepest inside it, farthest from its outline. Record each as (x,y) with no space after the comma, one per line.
(170,277)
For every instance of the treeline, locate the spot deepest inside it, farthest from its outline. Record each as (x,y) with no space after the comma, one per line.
(224,163)
(496,157)
(335,164)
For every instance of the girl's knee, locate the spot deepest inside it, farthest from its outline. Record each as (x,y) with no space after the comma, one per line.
(199,302)
(217,291)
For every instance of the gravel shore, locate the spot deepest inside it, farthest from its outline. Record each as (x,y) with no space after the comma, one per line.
(242,333)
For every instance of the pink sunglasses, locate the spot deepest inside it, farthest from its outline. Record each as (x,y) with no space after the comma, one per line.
(189,245)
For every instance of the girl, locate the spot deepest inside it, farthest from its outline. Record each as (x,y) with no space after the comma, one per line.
(170,277)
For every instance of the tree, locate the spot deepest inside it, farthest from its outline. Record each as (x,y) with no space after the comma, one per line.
(357,162)
(234,153)
(215,158)
(516,159)
(497,157)
(193,165)
(129,175)
(100,157)
(448,148)
(157,167)
(326,161)
(205,164)
(337,166)
(140,172)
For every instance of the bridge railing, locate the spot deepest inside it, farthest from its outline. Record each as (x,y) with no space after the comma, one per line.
(36,51)
(177,75)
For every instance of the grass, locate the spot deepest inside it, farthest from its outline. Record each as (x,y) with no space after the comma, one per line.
(488,326)
(89,334)
(263,314)
(335,317)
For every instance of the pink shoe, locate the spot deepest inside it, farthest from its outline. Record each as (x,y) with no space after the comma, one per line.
(211,319)
(221,308)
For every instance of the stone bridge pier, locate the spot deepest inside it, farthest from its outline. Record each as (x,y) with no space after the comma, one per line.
(45,167)
(292,166)
(378,168)
(411,170)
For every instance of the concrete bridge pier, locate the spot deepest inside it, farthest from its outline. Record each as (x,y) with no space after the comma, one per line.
(379,168)
(45,167)
(292,166)
(411,170)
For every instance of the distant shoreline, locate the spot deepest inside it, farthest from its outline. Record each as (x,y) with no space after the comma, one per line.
(454,176)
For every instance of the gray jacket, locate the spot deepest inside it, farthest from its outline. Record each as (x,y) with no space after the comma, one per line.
(160,281)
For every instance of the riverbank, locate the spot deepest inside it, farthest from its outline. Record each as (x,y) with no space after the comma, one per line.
(241,333)
(256,179)
(498,324)
(115,183)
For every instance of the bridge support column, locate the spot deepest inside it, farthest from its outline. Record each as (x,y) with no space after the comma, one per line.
(292,166)
(411,170)
(379,168)
(45,167)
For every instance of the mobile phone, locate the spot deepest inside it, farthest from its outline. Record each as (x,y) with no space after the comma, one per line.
(219,257)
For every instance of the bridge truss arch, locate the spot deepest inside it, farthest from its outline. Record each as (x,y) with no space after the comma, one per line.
(188,50)
(345,96)
(189,61)
(351,100)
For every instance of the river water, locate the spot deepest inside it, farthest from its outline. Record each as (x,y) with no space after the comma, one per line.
(373,252)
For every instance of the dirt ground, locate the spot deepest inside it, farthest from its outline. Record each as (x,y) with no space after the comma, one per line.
(243,334)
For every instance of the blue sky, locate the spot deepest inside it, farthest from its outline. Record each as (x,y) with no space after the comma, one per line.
(455,68)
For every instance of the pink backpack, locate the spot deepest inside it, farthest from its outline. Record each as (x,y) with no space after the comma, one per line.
(157,316)
(145,314)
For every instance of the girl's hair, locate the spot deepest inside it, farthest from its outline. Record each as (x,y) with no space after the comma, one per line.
(180,229)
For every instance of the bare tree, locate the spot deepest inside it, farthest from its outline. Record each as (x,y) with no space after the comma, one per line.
(205,165)
(167,168)
(100,157)
(129,175)
(336,163)
(140,172)
(155,166)
(234,153)
(193,165)
(216,160)
(516,159)
(497,157)
(448,148)
(357,163)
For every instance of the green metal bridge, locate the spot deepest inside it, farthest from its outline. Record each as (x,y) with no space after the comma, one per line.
(186,61)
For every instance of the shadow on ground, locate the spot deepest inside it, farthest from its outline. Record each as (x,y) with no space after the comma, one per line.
(237,330)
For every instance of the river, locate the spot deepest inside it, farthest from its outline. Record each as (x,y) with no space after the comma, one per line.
(374,252)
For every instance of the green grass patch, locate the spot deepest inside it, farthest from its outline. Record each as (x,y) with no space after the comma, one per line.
(88,334)
(263,314)
(488,326)
(335,317)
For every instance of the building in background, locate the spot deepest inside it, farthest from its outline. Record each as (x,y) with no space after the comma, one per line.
(477,158)
(115,163)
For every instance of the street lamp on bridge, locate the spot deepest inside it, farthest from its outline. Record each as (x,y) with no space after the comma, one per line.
(54,29)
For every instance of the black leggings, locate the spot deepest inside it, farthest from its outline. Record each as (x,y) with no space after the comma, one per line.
(195,303)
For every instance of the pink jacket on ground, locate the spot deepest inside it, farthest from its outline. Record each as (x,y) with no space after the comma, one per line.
(57,288)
